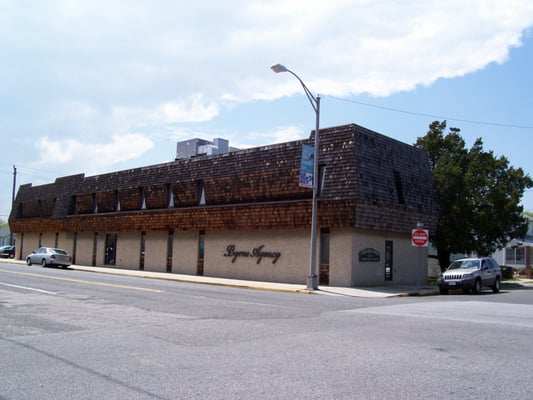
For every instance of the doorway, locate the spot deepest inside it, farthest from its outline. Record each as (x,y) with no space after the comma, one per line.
(323,273)
(110,248)
(388,260)
(201,253)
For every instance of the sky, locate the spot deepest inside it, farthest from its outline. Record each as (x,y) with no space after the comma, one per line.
(103,86)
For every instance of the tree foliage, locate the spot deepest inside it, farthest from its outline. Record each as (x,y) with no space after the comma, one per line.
(478,194)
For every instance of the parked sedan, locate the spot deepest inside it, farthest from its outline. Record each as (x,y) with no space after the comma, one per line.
(49,256)
(471,274)
(7,251)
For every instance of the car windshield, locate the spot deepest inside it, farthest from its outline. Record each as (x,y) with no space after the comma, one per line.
(465,264)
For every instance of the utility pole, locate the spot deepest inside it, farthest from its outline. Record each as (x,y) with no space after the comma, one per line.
(13,202)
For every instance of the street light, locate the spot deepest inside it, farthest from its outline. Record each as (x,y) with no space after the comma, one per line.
(312,279)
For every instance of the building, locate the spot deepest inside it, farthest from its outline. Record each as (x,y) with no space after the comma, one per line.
(200,147)
(5,236)
(243,215)
(518,253)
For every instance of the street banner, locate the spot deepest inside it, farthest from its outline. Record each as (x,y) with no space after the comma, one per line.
(306,166)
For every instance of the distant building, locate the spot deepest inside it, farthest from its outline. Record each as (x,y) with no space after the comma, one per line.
(519,251)
(200,147)
(242,214)
(5,236)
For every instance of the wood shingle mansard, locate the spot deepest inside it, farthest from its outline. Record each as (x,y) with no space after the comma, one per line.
(243,215)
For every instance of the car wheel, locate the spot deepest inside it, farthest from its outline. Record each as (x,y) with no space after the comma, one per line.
(443,290)
(43,262)
(476,289)
(28,261)
(496,286)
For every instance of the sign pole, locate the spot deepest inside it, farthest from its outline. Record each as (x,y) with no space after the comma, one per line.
(419,267)
(419,238)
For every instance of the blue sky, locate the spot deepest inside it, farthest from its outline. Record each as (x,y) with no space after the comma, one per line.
(112,85)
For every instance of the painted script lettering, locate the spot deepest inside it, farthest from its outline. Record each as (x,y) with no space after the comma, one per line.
(257,253)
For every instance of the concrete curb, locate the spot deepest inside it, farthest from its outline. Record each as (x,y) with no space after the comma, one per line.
(366,292)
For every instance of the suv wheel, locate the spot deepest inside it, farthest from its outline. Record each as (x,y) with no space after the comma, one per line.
(476,289)
(496,287)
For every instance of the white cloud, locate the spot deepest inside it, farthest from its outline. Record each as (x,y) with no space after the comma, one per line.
(89,156)
(278,135)
(193,109)
(121,67)
(122,51)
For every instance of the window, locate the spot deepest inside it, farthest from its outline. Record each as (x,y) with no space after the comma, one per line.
(170,244)
(72,206)
(321,178)
(143,199)
(202,194)
(515,256)
(399,187)
(170,196)
(117,201)
(324,246)
(143,247)
(95,203)
(201,253)
(323,256)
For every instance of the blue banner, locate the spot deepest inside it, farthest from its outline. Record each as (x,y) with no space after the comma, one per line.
(306,166)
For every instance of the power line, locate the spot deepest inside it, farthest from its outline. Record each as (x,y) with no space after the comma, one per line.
(439,117)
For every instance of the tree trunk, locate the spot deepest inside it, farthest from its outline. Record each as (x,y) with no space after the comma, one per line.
(444,258)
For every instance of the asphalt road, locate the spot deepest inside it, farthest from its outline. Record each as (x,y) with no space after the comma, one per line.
(68,334)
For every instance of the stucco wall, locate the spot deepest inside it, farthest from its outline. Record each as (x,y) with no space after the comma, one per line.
(405,260)
(292,266)
(65,241)
(185,252)
(128,250)
(48,239)
(340,257)
(243,261)
(84,248)
(29,244)
(155,251)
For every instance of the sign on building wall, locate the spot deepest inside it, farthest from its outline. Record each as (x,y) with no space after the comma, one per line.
(258,253)
(306,166)
(369,255)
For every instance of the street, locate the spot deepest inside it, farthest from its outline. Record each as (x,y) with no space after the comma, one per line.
(67,334)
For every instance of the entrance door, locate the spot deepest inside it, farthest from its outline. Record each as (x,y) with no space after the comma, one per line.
(388,260)
(110,248)
(324,257)
(201,253)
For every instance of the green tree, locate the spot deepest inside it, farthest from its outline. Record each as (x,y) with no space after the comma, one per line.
(478,194)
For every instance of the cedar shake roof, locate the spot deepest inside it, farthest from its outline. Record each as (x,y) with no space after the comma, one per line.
(370,181)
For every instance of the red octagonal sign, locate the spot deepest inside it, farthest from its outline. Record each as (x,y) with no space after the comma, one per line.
(420,237)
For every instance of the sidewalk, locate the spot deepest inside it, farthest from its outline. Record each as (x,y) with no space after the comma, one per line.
(367,292)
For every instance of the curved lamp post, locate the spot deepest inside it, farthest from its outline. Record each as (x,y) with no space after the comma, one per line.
(312,279)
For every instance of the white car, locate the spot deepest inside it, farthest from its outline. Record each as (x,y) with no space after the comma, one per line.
(49,256)
(471,274)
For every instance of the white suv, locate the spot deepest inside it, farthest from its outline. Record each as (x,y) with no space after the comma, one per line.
(471,274)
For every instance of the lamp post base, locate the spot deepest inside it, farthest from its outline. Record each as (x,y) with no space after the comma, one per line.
(312,282)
